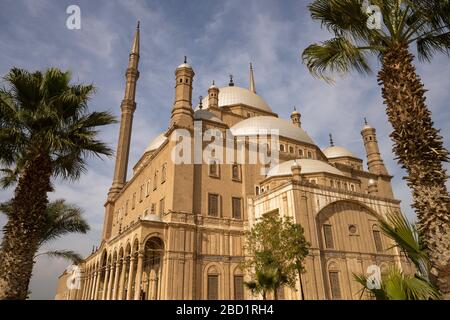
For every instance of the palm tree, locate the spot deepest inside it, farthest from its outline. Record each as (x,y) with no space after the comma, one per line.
(417,144)
(46,131)
(265,281)
(395,285)
(61,219)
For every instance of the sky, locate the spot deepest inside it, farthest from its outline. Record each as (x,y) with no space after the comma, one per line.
(219,38)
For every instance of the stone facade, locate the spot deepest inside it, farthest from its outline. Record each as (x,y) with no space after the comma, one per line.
(176,231)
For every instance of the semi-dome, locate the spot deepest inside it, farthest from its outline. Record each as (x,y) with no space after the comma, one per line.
(262,124)
(307,166)
(337,152)
(156,142)
(233,95)
(202,114)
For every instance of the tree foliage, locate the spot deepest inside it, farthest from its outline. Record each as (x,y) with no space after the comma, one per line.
(275,251)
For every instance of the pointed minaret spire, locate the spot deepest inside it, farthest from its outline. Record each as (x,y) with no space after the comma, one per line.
(136,41)
(331,140)
(252,79)
(128,106)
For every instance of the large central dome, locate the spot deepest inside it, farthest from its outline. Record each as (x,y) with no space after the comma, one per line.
(232,95)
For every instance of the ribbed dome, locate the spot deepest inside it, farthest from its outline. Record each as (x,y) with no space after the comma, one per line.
(337,152)
(236,95)
(308,166)
(156,143)
(202,114)
(264,124)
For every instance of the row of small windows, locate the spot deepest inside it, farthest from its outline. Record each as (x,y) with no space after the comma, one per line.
(186,80)
(144,190)
(342,185)
(301,153)
(214,170)
(353,230)
(214,206)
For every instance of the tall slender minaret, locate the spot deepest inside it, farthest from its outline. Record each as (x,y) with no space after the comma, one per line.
(252,87)
(182,112)
(374,161)
(128,106)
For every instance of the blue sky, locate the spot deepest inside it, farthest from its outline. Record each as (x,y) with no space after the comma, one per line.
(219,38)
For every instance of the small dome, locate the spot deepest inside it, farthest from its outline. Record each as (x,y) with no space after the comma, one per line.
(202,114)
(229,96)
(156,143)
(184,65)
(264,124)
(337,152)
(307,165)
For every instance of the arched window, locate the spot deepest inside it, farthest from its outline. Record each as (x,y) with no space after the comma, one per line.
(335,286)
(213,168)
(300,152)
(213,284)
(377,238)
(291,149)
(282,147)
(328,236)
(163,173)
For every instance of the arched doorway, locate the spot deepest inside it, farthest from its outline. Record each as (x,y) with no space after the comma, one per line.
(153,258)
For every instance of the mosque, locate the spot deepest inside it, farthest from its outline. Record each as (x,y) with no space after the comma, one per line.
(177,231)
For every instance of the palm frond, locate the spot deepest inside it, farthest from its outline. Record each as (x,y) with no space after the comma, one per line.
(406,237)
(61,219)
(65,254)
(337,55)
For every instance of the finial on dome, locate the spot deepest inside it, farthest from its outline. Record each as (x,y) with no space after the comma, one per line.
(231,84)
(185,59)
(213,83)
(331,140)
(138,25)
(365,121)
(200,105)
(252,79)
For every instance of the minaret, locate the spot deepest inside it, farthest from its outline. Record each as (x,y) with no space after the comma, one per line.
(252,87)
(182,113)
(374,161)
(213,96)
(295,117)
(128,106)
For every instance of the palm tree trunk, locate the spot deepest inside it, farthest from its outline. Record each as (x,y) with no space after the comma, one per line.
(420,151)
(22,231)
